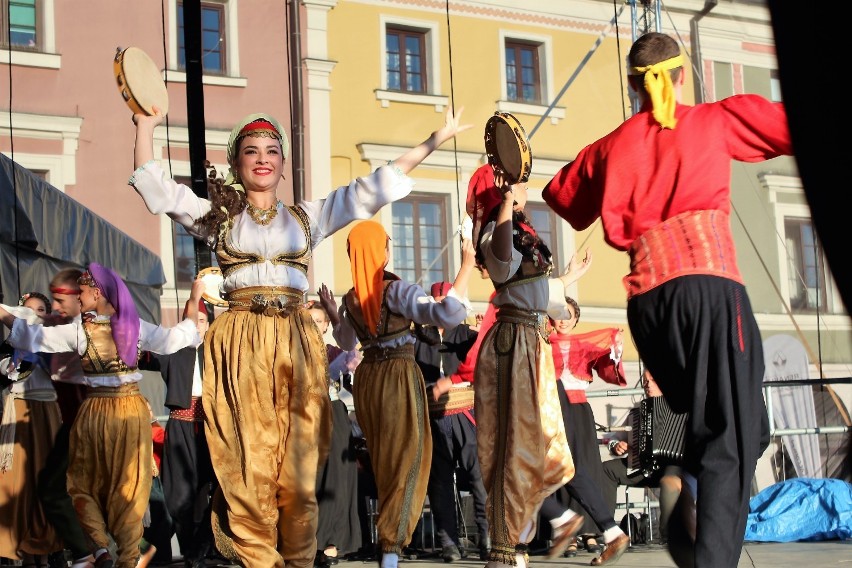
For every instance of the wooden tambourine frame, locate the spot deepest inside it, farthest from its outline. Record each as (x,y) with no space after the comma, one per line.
(508,148)
(212,278)
(140,81)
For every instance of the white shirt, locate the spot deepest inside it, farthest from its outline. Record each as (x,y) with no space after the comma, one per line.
(410,301)
(71,337)
(361,199)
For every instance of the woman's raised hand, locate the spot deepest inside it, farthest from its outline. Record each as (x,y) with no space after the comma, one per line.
(141,119)
(576,268)
(452,126)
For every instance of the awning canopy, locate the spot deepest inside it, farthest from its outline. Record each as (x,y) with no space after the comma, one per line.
(42,231)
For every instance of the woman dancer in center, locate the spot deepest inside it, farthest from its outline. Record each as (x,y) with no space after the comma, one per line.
(523,450)
(265,393)
(390,393)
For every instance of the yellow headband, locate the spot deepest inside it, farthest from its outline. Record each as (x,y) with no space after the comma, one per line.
(660,89)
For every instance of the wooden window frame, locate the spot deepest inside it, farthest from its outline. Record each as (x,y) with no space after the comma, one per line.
(5,23)
(221,46)
(552,241)
(806,263)
(443,265)
(517,48)
(403,34)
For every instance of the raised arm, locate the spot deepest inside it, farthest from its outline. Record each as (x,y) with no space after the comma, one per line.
(145,125)
(576,268)
(413,157)
(468,263)
(502,239)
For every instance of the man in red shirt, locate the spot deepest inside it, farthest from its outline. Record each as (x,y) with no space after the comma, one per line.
(660,184)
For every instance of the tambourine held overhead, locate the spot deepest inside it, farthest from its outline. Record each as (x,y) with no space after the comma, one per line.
(507,147)
(140,81)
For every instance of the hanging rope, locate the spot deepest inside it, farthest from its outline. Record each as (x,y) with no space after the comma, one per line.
(453,106)
(621,88)
(459,210)
(178,308)
(576,72)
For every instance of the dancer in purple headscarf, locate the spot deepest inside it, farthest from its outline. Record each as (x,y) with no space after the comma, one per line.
(110,459)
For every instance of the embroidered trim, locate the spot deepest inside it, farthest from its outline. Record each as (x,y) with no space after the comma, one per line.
(132,180)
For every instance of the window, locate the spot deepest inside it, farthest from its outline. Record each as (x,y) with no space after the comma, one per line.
(758,80)
(523,77)
(807,270)
(774,86)
(185,266)
(419,233)
(406,60)
(213,48)
(723,80)
(544,222)
(20,18)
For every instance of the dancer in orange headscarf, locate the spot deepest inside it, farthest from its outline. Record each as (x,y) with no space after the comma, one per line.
(390,394)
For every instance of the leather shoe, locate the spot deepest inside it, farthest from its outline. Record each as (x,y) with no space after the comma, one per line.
(565,535)
(681,530)
(484,546)
(450,553)
(612,551)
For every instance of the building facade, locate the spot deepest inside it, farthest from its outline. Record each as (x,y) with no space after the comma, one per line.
(375,78)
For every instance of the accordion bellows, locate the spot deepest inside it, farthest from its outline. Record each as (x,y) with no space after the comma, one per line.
(657,436)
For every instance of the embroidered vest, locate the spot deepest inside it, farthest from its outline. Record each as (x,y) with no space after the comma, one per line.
(391,325)
(101,356)
(529,271)
(231,259)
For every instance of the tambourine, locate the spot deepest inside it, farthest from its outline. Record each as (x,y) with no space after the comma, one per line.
(508,148)
(140,81)
(212,278)
(458,398)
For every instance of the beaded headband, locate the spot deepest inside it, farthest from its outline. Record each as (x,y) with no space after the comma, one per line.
(86,279)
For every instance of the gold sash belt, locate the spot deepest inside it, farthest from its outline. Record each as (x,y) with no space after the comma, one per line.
(266,300)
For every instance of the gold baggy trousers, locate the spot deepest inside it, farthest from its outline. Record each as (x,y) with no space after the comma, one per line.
(268,426)
(523,451)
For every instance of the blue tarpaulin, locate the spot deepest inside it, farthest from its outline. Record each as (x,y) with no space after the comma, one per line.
(801,509)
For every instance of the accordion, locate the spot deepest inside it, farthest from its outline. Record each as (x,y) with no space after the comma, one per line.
(656,436)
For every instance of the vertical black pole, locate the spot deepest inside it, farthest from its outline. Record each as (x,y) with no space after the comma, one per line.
(195,112)
(297,118)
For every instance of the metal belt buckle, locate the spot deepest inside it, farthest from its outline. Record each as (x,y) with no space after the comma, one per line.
(259,304)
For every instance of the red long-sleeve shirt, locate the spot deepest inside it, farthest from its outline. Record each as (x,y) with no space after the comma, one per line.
(640,175)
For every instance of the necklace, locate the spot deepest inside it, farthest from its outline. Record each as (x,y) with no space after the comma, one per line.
(263,216)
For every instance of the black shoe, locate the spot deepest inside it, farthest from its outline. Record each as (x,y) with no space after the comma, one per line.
(484,546)
(681,531)
(451,553)
(57,560)
(321,560)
